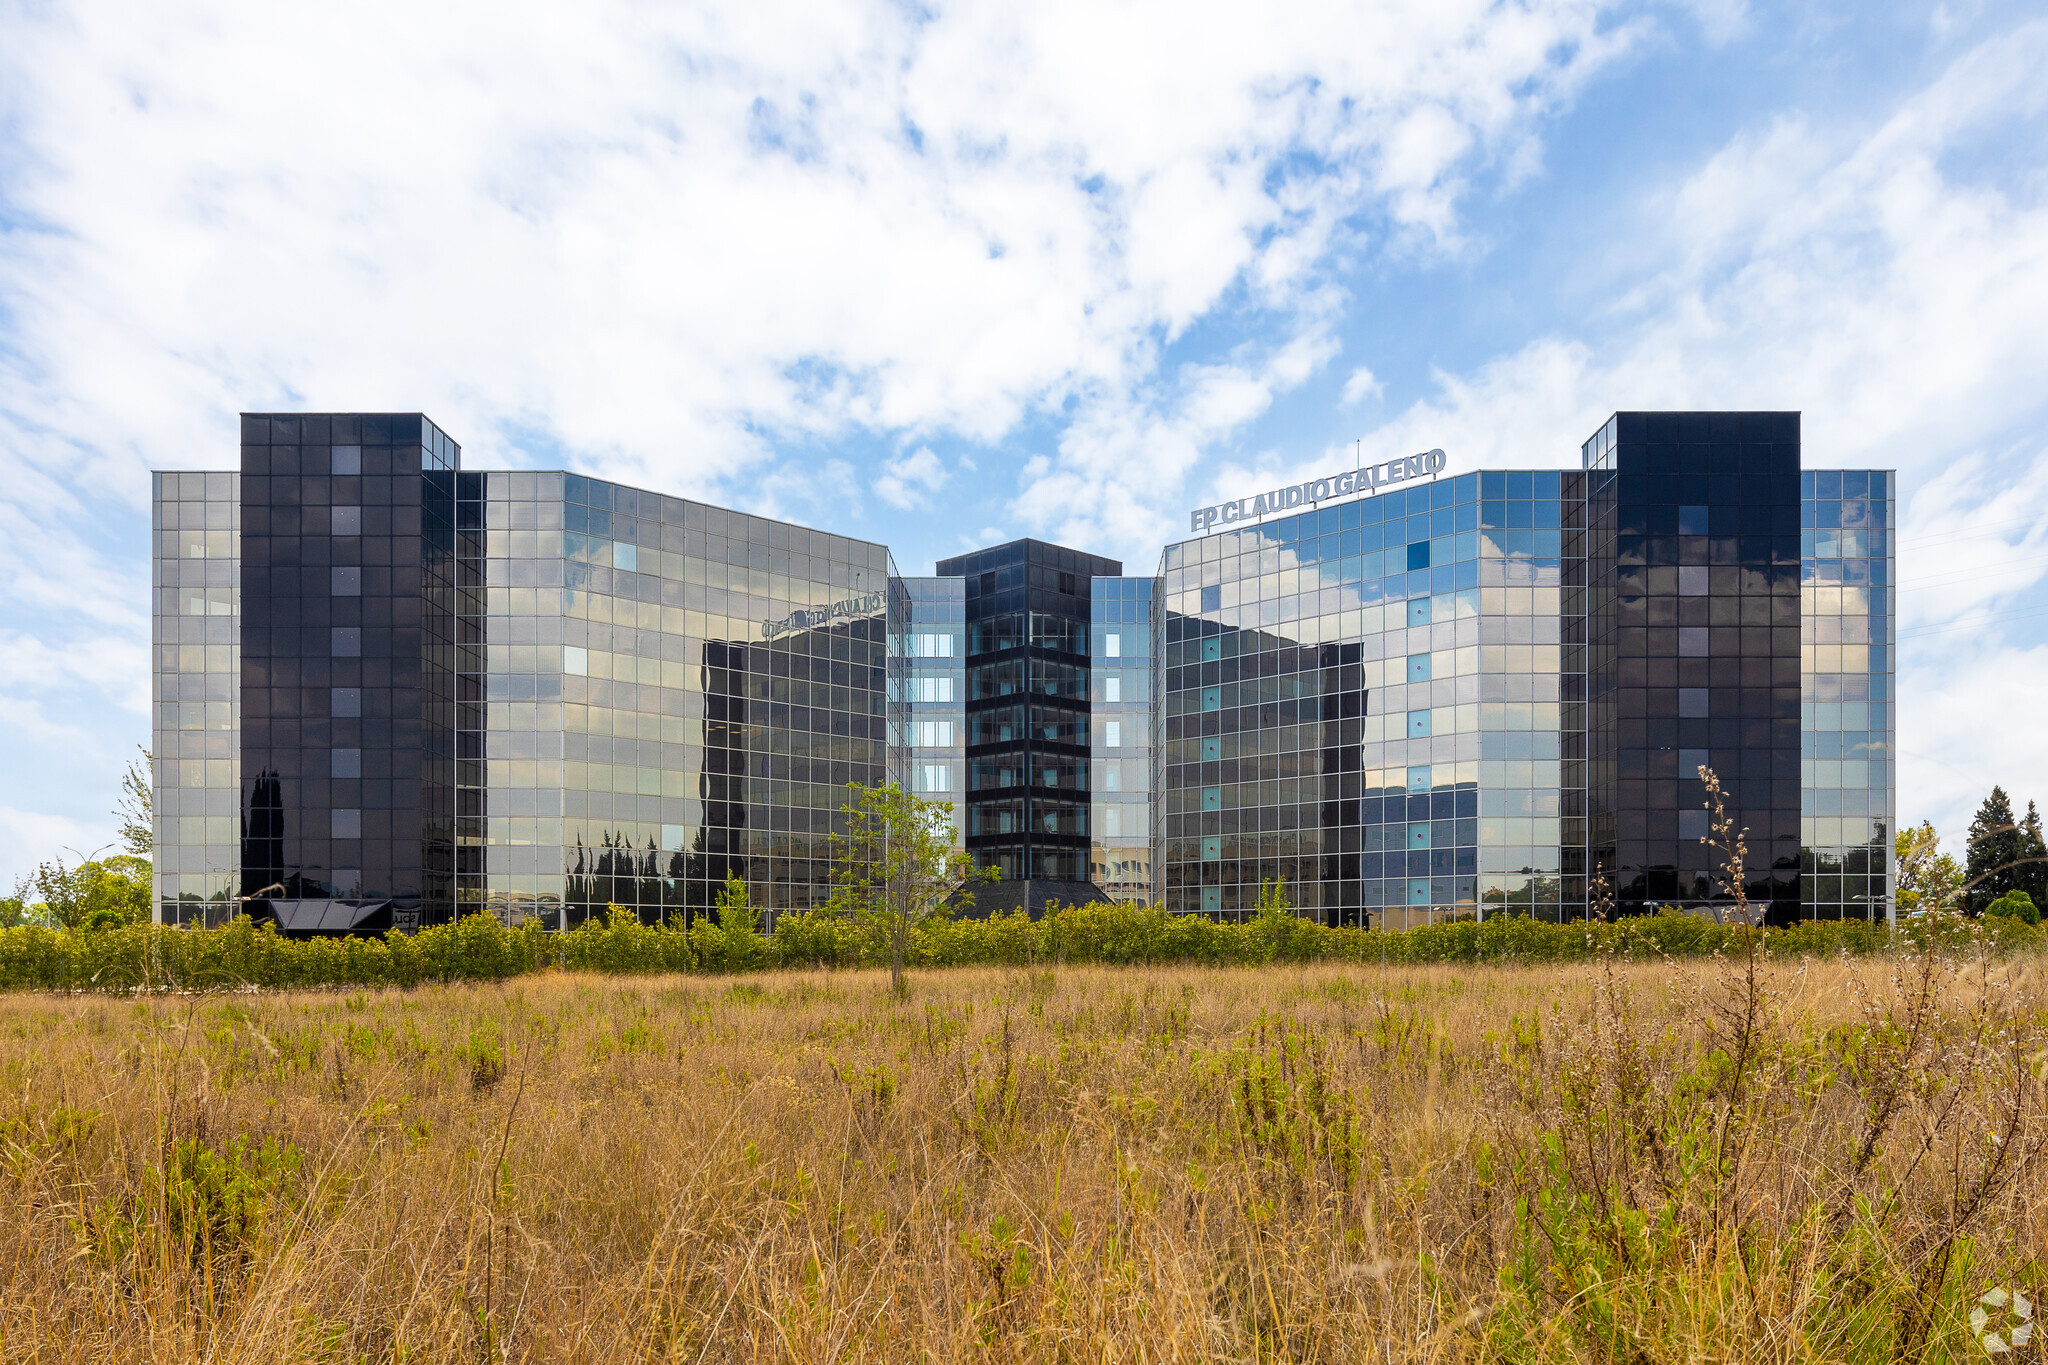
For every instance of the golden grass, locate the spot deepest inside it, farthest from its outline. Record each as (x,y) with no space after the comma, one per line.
(1326,1163)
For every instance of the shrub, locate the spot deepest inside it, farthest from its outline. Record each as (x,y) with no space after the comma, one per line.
(814,938)
(2015,905)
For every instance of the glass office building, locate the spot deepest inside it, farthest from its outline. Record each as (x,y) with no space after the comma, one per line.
(1540,663)
(1847,797)
(392,691)
(934,689)
(1028,610)
(1122,737)
(196,732)
(676,694)
(1690,575)
(1363,701)
(441,691)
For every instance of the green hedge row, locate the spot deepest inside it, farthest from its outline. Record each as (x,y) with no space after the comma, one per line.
(480,949)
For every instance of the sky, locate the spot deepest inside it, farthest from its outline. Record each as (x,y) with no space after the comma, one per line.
(948,274)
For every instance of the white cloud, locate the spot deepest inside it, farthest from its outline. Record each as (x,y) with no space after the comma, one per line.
(29,837)
(910,480)
(664,238)
(1361,385)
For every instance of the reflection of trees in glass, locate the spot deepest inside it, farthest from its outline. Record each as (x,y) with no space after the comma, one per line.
(1537,898)
(263,834)
(662,887)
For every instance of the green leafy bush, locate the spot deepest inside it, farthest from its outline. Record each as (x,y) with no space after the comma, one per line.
(150,957)
(2015,905)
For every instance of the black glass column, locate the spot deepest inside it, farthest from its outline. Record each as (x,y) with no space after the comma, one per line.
(1027,670)
(1692,653)
(350,699)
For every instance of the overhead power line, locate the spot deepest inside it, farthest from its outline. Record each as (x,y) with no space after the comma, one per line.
(1976,624)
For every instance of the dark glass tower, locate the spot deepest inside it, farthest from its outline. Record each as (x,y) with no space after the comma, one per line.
(1027,671)
(354,673)
(1692,652)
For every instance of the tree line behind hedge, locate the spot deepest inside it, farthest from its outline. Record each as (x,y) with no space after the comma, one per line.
(245,954)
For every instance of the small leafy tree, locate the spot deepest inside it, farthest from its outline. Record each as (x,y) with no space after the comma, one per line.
(735,903)
(18,908)
(137,808)
(105,893)
(1928,878)
(896,866)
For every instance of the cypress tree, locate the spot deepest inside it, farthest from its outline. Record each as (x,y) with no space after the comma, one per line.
(2032,875)
(1995,849)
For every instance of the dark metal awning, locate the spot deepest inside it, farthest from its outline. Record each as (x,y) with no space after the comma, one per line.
(330,916)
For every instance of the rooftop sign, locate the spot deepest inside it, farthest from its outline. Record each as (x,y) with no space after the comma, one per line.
(1370,479)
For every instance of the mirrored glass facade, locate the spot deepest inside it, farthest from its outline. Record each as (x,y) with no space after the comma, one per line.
(381,679)
(934,692)
(1027,608)
(676,693)
(1847,718)
(1543,661)
(1363,701)
(348,677)
(196,735)
(1122,741)
(1693,619)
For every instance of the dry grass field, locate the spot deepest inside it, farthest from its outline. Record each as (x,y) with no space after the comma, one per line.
(1626,1162)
